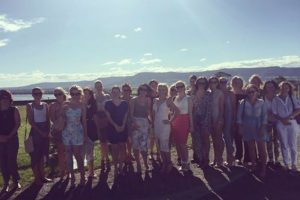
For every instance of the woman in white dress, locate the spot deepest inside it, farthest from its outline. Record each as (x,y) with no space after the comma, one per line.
(161,109)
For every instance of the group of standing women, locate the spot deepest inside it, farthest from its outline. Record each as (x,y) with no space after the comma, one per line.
(247,121)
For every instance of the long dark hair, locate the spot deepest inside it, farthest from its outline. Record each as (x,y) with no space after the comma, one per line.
(92,99)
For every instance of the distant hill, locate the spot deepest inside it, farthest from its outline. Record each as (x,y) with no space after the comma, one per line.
(171,77)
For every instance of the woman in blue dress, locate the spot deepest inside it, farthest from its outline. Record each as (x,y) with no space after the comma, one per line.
(75,132)
(252,120)
(117,110)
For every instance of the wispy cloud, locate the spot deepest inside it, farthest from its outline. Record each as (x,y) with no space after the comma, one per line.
(14,25)
(120,36)
(284,61)
(144,61)
(109,63)
(3,42)
(202,59)
(126,61)
(138,29)
(147,54)
(183,49)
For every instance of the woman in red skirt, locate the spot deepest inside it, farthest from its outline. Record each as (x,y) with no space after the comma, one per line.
(182,125)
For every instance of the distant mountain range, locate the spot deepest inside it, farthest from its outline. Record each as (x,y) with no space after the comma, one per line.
(171,77)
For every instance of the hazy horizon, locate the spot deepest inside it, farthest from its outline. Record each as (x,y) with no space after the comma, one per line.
(54,41)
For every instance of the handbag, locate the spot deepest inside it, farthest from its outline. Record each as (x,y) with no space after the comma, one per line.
(28,141)
(297,118)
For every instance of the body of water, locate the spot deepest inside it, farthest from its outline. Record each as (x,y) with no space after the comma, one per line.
(26,97)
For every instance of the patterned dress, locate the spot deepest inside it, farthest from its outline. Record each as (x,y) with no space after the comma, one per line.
(73,132)
(202,120)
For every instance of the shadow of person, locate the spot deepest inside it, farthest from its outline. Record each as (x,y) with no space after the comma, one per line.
(30,193)
(215,178)
(101,190)
(57,191)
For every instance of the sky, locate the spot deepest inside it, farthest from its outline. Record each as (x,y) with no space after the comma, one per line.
(45,41)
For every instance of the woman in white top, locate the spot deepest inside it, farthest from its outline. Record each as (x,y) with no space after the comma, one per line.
(182,125)
(217,120)
(161,109)
(38,118)
(269,93)
(285,107)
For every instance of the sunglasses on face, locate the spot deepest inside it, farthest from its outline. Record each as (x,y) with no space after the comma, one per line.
(251,91)
(126,90)
(76,94)
(201,83)
(143,89)
(58,94)
(37,94)
(179,86)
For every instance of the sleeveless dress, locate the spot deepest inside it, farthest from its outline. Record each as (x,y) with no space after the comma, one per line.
(201,117)
(181,124)
(117,114)
(73,132)
(162,131)
(9,149)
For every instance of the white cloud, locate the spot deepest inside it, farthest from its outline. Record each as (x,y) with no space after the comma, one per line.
(138,29)
(147,54)
(202,59)
(183,49)
(284,61)
(3,42)
(144,61)
(14,25)
(18,79)
(108,63)
(120,36)
(125,61)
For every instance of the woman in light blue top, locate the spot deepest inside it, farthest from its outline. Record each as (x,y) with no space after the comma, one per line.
(252,120)
(75,132)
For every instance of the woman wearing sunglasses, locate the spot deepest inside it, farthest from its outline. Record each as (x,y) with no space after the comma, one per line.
(140,115)
(229,119)
(286,107)
(55,110)
(252,119)
(38,118)
(217,117)
(75,132)
(182,125)
(201,116)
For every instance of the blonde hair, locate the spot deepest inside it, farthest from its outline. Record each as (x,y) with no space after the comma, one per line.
(76,87)
(62,90)
(164,86)
(180,82)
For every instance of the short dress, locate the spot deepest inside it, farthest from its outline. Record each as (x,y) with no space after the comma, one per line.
(73,131)
(162,130)
(252,117)
(117,114)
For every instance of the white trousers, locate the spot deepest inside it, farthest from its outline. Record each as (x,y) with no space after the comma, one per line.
(288,141)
